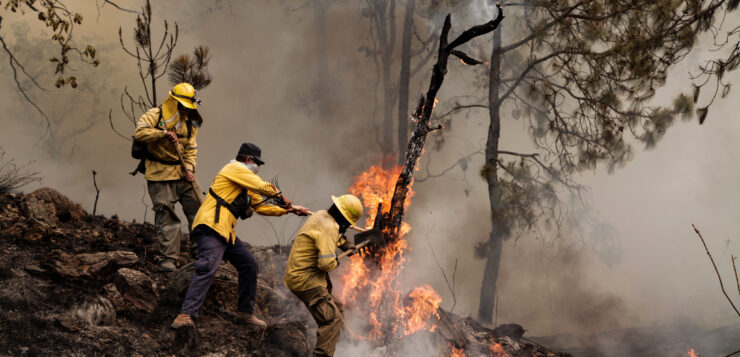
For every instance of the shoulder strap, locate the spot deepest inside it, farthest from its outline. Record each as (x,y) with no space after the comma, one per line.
(236,211)
(151,157)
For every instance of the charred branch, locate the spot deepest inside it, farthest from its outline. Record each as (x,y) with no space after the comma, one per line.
(465,58)
(391,221)
(97,192)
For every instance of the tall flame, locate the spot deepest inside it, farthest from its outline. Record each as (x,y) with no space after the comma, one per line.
(381,286)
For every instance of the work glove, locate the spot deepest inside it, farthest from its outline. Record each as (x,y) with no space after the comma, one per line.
(347,245)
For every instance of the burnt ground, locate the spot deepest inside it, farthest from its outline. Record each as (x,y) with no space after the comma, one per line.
(74,284)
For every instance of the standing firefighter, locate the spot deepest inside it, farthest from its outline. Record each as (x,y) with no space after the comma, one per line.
(236,192)
(166,130)
(312,257)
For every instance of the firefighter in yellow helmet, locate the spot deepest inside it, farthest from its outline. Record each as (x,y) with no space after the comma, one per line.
(174,123)
(312,257)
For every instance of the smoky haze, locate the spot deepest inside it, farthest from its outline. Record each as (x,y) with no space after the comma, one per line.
(266,90)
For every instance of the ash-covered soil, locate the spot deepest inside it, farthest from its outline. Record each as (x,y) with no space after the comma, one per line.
(74,284)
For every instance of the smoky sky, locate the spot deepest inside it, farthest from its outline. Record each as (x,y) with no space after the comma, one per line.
(266,90)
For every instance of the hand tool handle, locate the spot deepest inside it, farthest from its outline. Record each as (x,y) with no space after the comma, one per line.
(357,247)
(351,227)
(192,183)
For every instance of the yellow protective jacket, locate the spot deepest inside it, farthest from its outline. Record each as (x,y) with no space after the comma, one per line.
(150,129)
(228,184)
(314,253)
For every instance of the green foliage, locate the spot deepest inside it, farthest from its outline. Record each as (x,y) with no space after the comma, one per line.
(193,70)
(60,21)
(684,105)
(583,76)
(584,73)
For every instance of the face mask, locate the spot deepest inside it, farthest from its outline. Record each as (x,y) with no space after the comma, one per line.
(253,167)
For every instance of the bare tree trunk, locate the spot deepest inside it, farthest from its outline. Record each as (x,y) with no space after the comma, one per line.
(498,231)
(387,37)
(403,83)
(322,67)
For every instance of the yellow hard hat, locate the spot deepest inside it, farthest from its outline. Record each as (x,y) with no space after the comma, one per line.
(185,94)
(350,206)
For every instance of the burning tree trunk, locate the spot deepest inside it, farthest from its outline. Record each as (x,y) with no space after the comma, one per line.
(392,314)
(391,221)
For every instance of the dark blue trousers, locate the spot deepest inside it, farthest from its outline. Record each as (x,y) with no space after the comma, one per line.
(212,248)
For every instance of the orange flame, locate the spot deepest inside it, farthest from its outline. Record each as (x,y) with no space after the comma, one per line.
(424,304)
(497,350)
(376,185)
(382,287)
(456,352)
(692,353)
(355,279)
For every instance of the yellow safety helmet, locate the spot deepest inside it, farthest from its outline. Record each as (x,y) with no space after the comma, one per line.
(350,206)
(185,94)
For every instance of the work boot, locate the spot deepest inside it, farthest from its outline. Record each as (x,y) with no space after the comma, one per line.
(167,265)
(182,320)
(249,319)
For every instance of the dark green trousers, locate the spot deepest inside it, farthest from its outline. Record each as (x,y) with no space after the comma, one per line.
(328,314)
(164,195)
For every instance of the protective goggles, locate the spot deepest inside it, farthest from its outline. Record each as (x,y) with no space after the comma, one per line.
(193,99)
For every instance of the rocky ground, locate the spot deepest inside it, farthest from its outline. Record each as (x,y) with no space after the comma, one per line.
(74,284)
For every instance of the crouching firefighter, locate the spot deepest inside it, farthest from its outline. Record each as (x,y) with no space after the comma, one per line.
(160,133)
(312,257)
(236,192)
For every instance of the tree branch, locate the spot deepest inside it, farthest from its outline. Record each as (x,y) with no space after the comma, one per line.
(13,62)
(461,107)
(97,192)
(715,270)
(121,8)
(449,168)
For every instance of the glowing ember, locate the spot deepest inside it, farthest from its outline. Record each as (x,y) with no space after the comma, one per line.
(456,352)
(497,350)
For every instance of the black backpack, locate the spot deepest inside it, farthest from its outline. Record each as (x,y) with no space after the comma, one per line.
(240,207)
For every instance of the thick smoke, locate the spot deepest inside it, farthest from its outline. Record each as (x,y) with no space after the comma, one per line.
(266,90)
